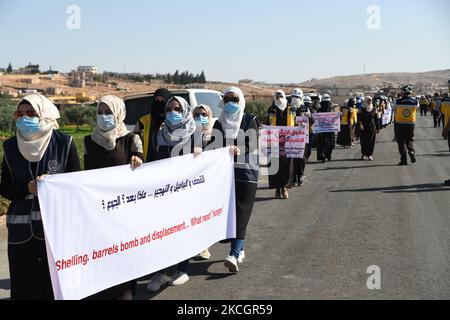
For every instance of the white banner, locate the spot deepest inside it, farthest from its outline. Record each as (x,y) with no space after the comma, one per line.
(303,122)
(327,122)
(387,116)
(109,226)
(280,141)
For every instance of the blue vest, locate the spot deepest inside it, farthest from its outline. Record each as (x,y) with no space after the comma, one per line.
(24,217)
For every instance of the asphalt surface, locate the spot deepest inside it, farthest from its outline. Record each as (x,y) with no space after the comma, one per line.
(349,215)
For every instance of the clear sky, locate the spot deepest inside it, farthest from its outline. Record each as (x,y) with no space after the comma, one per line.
(267,40)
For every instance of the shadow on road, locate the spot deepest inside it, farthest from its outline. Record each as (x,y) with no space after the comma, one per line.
(417,188)
(196,268)
(356,167)
(433,155)
(5,284)
(258,199)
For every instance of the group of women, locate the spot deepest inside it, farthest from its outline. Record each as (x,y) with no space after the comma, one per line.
(38,148)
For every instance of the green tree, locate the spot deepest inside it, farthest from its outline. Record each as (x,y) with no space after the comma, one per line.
(258,108)
(176,77)
(202,78)
(7,118)
(79,116)
(9,69)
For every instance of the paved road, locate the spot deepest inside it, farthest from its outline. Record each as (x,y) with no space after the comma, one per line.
(349,215)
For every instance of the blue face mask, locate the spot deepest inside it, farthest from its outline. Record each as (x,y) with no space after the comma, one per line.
(174,117)
(202,121)
(231,108)
(106,122)
(28,126)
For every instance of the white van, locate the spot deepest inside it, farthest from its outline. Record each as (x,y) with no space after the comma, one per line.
(139,105)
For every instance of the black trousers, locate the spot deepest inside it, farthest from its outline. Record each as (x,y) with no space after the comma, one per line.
(29,273)
(325,145)
(284,176)
(245,199)
(299,169)
(437,118)
(405,139)
(448,139)
(367,140)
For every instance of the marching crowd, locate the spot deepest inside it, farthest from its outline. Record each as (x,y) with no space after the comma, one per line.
(38,148)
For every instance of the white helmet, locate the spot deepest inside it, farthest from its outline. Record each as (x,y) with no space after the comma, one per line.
(326,97)
(307,99)
(297,93)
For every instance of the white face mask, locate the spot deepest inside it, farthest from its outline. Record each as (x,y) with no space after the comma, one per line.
(296,102)
(281,104)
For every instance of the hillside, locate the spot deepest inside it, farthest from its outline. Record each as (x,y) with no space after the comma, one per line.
(428,79)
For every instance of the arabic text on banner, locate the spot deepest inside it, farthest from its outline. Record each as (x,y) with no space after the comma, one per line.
(109,226)
(282,141)
(327,122)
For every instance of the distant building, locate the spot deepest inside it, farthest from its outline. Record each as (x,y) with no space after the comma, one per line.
(88,69)
(9,92)
(30,69)
(30,80)
(54,91)
(245,81)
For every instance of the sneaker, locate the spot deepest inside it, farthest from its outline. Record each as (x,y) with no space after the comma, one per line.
(157,281)
(179,278)
(403,163)
(205,255)
(370,158)
(302,180)
(241,257)
(284,194)
(413,157)
(231,263)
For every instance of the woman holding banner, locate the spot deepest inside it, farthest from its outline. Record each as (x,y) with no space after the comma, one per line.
(110,145)
(203,117)
(235,124)
(37,149)
(325,141)
(177,137)
(278,115)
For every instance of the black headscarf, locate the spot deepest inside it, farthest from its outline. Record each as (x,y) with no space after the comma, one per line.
(159,108)
(325,106)
(351,103)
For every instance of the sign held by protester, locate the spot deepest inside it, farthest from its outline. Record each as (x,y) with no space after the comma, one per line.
(327,122)
(109,226)
(282,141)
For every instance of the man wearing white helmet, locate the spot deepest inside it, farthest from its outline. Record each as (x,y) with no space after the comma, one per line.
(297,98)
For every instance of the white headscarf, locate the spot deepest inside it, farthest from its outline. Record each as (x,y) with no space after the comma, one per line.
(231,123)
(208,129)
(179,134)
(366,105)
(107,140)
(282,103)
(33,149)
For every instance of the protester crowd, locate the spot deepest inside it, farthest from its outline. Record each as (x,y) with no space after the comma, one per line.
(38,148)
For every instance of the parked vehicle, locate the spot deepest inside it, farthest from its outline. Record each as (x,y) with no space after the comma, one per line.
(139,105)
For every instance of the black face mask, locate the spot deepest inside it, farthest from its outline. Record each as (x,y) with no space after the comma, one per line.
(158,110)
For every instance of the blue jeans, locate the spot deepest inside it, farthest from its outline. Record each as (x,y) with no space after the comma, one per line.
(237,245)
